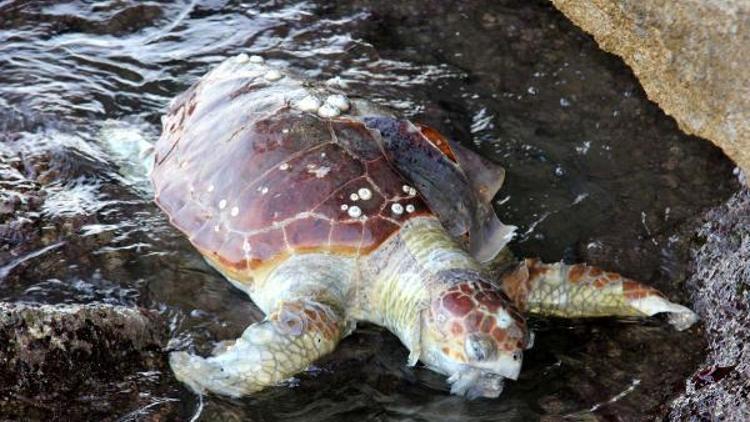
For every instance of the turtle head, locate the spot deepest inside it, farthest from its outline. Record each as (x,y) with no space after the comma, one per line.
(473,333)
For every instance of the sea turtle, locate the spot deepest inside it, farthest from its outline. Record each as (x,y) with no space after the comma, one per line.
(328,211)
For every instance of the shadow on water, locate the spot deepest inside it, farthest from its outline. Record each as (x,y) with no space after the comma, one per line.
(596,173)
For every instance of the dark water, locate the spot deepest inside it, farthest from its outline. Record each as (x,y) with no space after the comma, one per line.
(595,172)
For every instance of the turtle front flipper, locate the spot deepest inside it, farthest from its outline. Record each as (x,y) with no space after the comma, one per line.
(292,337)
(573,291)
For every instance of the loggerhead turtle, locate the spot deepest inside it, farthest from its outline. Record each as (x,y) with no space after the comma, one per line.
(327,211)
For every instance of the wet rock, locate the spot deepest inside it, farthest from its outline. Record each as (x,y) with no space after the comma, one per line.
(56,358)
(720,287)
(690,56)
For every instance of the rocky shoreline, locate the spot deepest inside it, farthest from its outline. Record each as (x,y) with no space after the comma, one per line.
(57,360)
(720,292)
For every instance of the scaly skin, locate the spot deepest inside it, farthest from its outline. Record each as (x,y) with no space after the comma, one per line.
(431,293)
(268,353)
(402,274)
(575,291)
(305,299)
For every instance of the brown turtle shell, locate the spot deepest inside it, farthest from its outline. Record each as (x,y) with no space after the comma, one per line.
(251,179)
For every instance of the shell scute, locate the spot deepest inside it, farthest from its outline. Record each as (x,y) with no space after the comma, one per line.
(308,233)
(266,245)
(347,236)
(283,194)
(232,251)
(356,139)
(191,217)
(376,229)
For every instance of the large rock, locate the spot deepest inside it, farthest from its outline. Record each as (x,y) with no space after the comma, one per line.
(691,56)
(720,287)
(77,361)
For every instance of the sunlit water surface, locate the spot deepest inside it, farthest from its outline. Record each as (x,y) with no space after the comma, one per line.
(596,173)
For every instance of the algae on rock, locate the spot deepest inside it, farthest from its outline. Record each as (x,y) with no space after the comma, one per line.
(720,291)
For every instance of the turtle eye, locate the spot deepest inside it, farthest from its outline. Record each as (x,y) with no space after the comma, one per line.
(479,347)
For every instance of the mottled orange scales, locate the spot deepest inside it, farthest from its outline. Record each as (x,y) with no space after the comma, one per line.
(488,324)
(438,140)
(600,282)
(473,321)
(457,303)
(575,274)
(499,335)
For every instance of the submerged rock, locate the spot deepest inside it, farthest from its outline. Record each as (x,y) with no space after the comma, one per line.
(57,360)
(720,287)
(690,56)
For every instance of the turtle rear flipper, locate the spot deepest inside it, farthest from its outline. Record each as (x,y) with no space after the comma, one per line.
(576,291)
(457,184)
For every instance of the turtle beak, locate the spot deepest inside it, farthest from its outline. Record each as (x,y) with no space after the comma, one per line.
(509,365)
(474,383)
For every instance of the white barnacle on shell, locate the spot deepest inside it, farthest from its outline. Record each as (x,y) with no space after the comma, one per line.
(337,82)
(273,75)
(354,211)
(364,193)
(210,188)
(405,188)
(217,228)
(234,212)
(412,191)
(284,166)
(246,246)
(242,58)
(263,190)
(310,103)
(344,207)
(354,197)
(397,208)
(339,101)
(328,111)
(256,59)
(319,172)
(410,208)
(222,204)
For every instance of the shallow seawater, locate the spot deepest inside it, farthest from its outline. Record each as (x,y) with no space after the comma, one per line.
(596,173)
